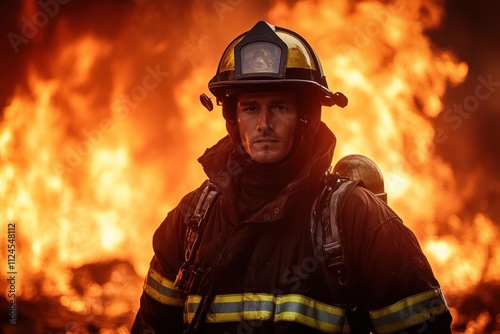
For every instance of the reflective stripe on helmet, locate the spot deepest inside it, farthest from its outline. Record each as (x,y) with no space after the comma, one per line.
(409,312)
(162,289)
(266,307)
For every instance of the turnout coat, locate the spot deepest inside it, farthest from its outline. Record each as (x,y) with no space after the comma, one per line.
(259,272)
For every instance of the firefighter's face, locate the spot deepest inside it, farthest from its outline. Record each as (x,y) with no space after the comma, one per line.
(267,124)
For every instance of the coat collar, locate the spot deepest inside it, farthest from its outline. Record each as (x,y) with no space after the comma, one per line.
(224,170)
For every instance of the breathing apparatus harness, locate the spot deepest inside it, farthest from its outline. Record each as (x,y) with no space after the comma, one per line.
(326,234)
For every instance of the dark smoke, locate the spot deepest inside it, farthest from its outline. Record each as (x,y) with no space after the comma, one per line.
(472,146)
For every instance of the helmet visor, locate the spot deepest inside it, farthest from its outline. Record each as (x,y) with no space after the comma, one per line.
(260,57)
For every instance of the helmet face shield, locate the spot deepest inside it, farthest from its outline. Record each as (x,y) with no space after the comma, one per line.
(261,53)
(260,58)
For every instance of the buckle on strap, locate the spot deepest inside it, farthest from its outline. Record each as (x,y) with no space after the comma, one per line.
(187,278)
(334,254)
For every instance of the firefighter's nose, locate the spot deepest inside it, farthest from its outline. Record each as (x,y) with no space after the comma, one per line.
(264,121)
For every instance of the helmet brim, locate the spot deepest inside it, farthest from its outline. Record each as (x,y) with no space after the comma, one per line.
(308,88)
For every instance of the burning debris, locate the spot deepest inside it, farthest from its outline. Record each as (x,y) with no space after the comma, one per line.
(102,298)
(478,311)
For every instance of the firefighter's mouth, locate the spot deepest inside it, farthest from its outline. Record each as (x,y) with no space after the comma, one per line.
(266,140)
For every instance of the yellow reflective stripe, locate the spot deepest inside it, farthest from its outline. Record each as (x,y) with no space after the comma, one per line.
(228,308)
(310,319)
(162,289)
(311,303)
(265,307)
(409,311)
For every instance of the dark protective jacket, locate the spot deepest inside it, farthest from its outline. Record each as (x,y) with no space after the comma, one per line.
(261,274)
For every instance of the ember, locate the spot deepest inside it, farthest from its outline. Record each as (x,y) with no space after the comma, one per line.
(101,120)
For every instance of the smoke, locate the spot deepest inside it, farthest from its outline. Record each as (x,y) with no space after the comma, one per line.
(468,125)
(12,66)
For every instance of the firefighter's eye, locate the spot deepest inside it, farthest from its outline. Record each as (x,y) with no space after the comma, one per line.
(280,108)
(249,109)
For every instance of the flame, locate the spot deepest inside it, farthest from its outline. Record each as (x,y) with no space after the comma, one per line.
(95,148)
(67,185)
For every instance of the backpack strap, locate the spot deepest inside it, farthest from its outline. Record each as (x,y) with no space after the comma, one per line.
(327,232)
(188,275)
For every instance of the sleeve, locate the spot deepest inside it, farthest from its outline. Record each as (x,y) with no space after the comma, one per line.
(162,304)
(395,283)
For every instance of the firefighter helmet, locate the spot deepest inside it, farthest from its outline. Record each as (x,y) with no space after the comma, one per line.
(360,167)
(271,58)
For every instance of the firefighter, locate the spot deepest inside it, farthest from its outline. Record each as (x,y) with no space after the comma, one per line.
(237,256)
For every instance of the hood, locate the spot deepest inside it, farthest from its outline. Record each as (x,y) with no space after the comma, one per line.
(226,163)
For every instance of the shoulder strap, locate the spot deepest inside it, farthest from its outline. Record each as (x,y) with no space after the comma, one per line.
(327,231)
(188,274)
(196,219)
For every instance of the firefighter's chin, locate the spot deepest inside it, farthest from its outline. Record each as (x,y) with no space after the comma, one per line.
(268,152)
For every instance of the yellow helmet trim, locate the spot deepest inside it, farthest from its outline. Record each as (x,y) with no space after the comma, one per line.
(261,56)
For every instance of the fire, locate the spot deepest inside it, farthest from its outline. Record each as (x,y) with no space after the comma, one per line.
(454,251)
(96,149)
(67,185)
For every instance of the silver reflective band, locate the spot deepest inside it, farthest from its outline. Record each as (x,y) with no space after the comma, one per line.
(409,312)
(162,289)
(266,307)
(260,57)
